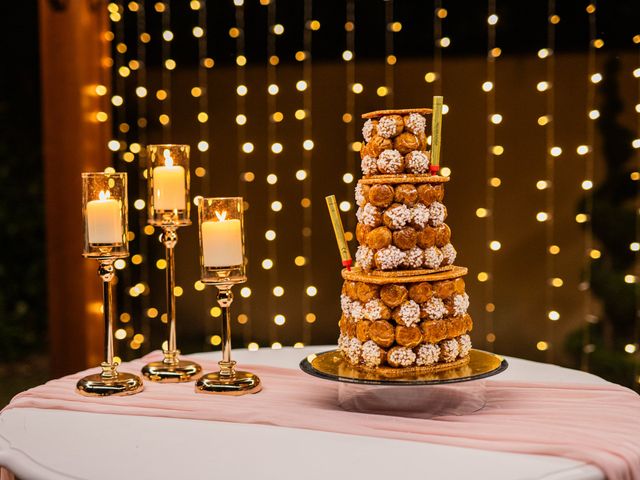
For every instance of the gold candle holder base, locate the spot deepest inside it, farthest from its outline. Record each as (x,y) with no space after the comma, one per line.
(240,384)
(172,371)
(113,383)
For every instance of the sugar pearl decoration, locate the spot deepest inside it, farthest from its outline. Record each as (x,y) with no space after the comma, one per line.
(356,311)
(369,215)
(449,350)
(343,341)
(390,161)
(364,257)
(434,308)
(369,165)
(432,257)
(437,214)
(387,127)
(460,304)
(464,345)
(353,350)
(416,123)
(373,309)
(420,215)
(427,354)
(449,254)
(345,304)
(398,216)
(409,313)
(413,258)
(360,200)
(367,130)
(389,258)
(371,354)
(403,356)
(417,162)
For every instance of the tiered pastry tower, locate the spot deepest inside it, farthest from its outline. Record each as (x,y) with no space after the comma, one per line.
(404,306)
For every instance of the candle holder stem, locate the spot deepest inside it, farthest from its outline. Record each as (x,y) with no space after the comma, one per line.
(109,381)
(228,381)
(171,368)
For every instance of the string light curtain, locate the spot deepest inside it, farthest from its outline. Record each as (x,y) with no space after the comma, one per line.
(588,152)
(348,56)
(391,27)
(634,348)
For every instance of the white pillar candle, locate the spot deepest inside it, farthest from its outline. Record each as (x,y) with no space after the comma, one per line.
(222,243)
(104,220)
(169,188)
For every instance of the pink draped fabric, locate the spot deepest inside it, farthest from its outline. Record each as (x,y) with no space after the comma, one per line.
(596,424)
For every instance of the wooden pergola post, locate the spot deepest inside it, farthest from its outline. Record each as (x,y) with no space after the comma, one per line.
(74,60)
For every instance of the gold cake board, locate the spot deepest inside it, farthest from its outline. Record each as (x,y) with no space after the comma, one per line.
(331,365)
(380,277)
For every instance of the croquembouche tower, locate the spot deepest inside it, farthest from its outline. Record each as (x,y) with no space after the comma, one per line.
(404,305)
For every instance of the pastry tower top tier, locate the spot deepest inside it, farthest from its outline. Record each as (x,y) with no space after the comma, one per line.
(401,214)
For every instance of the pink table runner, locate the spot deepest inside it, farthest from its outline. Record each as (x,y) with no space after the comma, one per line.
(597,424)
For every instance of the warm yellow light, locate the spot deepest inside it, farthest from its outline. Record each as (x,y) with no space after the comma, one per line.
(310,317)
(347,178)
(273,89)
(241,60)
(630,348)
(301,175)
(554,249)
(557,282)
(542,346)
(391,59)
(594,114)
(167,35)
(248,176)
(555,151)
(120,334)
(635,143)
(543,120)
(276,147)
(482,212)
(497,150)
(300,114)
(581,218)
(596,78)
(553,316)
(203,146)
(598,43)
(243,318)
(278,29)
(245,292)
(120,264)
(114,145)
(357,88)
(495,245)
(242,90)
(395,27)
(542,86)
(215,340)
(301,85)
(630,279)
(215,312)
(253,346)
(208,62)
(203,117)
(279,319)
(276,206)
(492,19)
(102,116)
(356,146)
(247,147)
(101,90)
(587,184)
(308,144)
(145,37)
(298,345)
(542,216)
(495,182)
(445,42)
(595,253)
(198,286)
(634,247)
(487,86)
(241,119)
(483,276)
(278,291)
(299,261)
(554,19)
(542,184)
(544,52)
(591,8)
(345,206)
(270,235)
(496,118)
(161,94)
(430,77)
(300,56)
(117,100)
(347,55)
(272,179)
(178,291)
(314,25)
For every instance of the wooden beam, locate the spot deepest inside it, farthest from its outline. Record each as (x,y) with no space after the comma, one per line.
(74,59)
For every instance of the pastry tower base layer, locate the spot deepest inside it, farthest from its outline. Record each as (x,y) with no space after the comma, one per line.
(405,324)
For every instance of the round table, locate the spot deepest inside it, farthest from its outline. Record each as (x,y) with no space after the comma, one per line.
(52,444)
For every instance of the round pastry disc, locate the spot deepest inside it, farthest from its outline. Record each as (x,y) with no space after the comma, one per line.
(397,111)
(332,366)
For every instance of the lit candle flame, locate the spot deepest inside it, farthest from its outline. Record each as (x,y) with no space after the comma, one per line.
(221,216)
(168,161)
(104,195)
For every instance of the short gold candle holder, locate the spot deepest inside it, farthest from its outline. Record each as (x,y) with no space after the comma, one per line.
(168,195)
(221,232)
(104,212)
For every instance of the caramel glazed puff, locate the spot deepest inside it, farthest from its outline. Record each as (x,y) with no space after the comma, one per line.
(402,227)
(395,144)
(403,325)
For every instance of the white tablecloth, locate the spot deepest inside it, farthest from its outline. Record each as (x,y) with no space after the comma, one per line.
(50,444)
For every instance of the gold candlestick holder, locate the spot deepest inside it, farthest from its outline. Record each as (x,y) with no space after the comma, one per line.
(104,212)
(221,232)
(168,194)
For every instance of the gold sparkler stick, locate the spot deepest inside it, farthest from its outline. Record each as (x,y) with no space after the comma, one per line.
(436,134)
(336,221)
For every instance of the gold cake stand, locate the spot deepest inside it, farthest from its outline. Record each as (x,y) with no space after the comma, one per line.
(332,366)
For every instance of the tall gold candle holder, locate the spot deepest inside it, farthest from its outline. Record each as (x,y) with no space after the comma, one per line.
(221,232)
(104,214)
(168,200)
